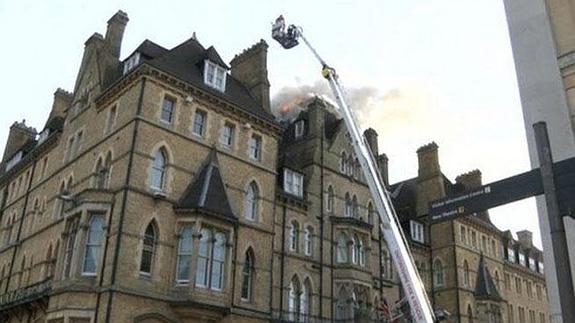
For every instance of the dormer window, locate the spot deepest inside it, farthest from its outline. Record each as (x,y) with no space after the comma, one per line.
(299,129)
(214,76)
(131,62)
(293,182)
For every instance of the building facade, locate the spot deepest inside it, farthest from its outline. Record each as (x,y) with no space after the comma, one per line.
(162,189)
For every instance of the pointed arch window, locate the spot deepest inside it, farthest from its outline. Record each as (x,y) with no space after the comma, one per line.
(48,265)
(158,170)
(184,255)
(294,300)
(293,236)
(437,273)
(103,172)
(370,213)
(341,253)
(466,281)
(251,202)
(93,246)
(348,205)
(330,199)
(355,250)
(355,207)
(343,162)
(305,301)
(342,309)
(308,241)
(148,249)
(247,276)
(21,276)
(361,252)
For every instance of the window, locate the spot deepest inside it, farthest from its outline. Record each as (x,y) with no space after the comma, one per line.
(131,62)
(158,171)
(251,202)
(293,182)
(497,279)
(44,166)
(330,199)
(305,301)
(348,205)
(93,244)
(355,207)
(293,236)
(470,313)
(493,249)
(167,112)
(199,125)
(522,259)
(541,317)
(361,252)
(103,172)
(385,264)
(437,273)
(355,249)
(148,248)
(227,138)
(111,121)
(484,244)
(521,314)
(294,299)
(342,310)
(211,259)
(341,252)
(529,288)
(343,162)
(69,249)
(299,129)
(370,213)
(507,281)
(308,241)
(539,292)
(474,239)
(518,285)
(466,281)
(532,316)
(214,76)
(532,265)
(511,314)
(541,268)
(69,149)
(247,275)
(255,147)
(417,231)
(463,234)
(511,255)
(184,255)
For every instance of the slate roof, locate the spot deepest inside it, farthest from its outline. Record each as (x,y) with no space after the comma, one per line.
(207,191)
(186,62)
(150,50)
(485,288)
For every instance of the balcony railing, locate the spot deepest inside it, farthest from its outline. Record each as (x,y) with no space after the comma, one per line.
(25,295)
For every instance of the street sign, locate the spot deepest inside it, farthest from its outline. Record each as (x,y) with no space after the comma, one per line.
(505,191)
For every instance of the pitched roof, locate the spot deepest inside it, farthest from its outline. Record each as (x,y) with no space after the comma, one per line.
(485,288)
(150,49)
(207,191)
(186,62)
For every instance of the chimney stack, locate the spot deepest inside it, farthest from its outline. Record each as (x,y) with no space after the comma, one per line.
(62,102)
(371,137)
(470,179)
(250,68)
(18,136)
(115,32)
(525,237)
(428,159)
(382,164)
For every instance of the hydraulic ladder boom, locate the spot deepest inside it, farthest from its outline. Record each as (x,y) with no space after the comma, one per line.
(414,289)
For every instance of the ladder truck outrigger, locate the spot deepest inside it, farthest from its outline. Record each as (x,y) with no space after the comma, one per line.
(421,309)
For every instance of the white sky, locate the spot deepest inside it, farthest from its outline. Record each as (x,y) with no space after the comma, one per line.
(442,70)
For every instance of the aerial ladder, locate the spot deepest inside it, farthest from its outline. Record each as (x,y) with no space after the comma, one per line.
(421,309)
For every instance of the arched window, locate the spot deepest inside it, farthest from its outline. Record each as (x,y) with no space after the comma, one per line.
(466,281)
(294,299)
(158,170)
(361,252)
(305,301)
(348,205)
(293,236)
(342,308)
(93,245)
(463,235)
(103,172)
(437,273)
(21,276)
(148,249)
(356,168)
(308,241)
(251,202)
(203,258)
(184,255)
(370,213)
(330,199)
(48,265)
(497,279)
(341,253)
(247,276)
(343,163)
(355,250)
(469,314)
(355,207)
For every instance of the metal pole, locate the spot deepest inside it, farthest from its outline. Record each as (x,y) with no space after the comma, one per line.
(556,225)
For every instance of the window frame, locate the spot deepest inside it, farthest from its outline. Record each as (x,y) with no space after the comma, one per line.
(211,73)
(255,144)
(172,112)
(200,123)
(180,252)
(293,182)
(227,140)
(94,245)
(417,231)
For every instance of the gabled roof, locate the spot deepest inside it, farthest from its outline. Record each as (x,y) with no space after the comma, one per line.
(150,50)
(485,288)
(207,191)
(186,62)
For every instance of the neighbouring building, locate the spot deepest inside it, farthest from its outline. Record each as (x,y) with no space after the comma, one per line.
(162,189)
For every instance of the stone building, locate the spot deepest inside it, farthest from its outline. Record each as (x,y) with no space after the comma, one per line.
(162,189)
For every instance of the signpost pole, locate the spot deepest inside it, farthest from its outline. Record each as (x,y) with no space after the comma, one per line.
(556,225)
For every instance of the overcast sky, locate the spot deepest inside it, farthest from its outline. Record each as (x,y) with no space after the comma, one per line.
(437,70)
